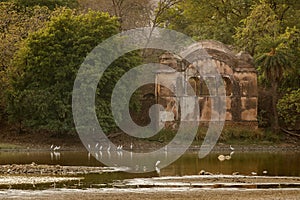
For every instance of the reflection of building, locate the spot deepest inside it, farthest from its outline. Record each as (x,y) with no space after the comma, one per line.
(239,78)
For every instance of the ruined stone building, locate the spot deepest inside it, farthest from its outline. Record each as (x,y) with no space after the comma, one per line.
(239,78)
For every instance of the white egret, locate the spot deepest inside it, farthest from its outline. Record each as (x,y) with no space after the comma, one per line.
(227,157)
(265,172)
(157,169)
(157,163)
(253,173)
(231,148)
(131,145)
(221,158)
(56,148)
(89,156)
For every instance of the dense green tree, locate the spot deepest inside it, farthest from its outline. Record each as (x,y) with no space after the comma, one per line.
(46,66)
(15,25)
(267,18)
(130,13)
(272,63)
(215,19)
(51,4)
(262,22)
(287,12)
(248,20)
(272,36)
(289,108)
(292,44)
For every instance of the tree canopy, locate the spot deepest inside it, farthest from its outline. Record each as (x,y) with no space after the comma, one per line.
(43,42)
(46,66)
(289,108)
(15,25)
(51,4)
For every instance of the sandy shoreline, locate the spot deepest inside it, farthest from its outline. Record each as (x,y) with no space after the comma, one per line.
(154,194)
(186,187)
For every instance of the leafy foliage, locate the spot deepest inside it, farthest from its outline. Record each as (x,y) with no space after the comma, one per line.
(272,65)
(274,61)
(130,13)
(262,22)
(40,75)
(202,19)
(46,67)
(15,25)
(289,107)
(51,4)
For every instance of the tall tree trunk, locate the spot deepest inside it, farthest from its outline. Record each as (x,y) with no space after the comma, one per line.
(275,124)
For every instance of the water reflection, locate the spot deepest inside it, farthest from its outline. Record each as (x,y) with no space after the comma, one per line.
(275,164)
(55,156)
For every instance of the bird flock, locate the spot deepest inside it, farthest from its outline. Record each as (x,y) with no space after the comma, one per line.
(228,157)
(97,150)
(54,152)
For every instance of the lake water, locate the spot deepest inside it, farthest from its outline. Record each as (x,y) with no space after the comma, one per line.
(276,164)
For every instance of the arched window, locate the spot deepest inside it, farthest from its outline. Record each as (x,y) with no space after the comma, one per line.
(208,86)
(194,88)
(227,85)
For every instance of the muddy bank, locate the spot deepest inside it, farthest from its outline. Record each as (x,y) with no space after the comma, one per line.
(34,169)
(43,141)
(153,194)
(33,180)
(214,181)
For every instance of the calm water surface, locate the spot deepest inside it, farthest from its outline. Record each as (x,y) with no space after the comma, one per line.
(277,164)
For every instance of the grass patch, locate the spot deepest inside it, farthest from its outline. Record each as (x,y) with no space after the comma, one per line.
(230,135)
(165,135)
(245,135)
